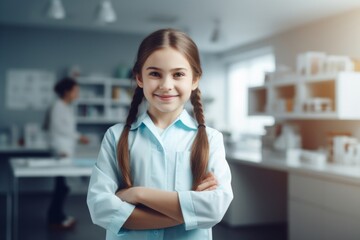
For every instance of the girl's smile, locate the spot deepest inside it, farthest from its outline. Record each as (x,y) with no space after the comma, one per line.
(166,98)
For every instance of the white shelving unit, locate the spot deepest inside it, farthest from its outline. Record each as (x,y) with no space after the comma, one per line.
(294,98)
(103,100)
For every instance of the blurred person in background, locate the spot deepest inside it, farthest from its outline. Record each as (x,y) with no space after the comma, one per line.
(60,122)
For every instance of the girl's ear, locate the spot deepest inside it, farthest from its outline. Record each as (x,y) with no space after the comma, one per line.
(139,81)
(195,83)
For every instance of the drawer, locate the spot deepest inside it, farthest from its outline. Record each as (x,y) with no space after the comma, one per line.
(343,198)
(307,221)
(308,189)
(338,197)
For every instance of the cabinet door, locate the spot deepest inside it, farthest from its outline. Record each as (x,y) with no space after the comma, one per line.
(259,196)
(323,208)
(306,222)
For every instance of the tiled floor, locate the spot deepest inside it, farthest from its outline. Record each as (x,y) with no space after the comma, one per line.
(32,224)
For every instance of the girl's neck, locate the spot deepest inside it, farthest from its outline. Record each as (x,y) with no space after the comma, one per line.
(163,120)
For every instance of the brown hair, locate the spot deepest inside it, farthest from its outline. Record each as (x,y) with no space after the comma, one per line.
(200,148)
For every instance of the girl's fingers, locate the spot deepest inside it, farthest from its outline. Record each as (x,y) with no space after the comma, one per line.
(206,185)
(211,188)
(208,177)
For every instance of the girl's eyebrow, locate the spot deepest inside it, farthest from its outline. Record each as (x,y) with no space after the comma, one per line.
(159,69)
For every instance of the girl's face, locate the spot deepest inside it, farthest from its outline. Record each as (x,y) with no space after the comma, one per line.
(167,80)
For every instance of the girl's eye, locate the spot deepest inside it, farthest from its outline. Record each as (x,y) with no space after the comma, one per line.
(154,74)
(179,74)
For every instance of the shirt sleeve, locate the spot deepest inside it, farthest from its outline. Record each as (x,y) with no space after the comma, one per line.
(106,209)
(207,208)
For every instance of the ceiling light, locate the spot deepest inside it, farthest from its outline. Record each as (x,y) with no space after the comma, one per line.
(56,10)
(106,12)
(216,32)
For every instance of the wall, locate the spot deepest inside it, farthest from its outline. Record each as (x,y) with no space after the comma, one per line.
(95,52)
(212,85)
(57,50)
(333,35)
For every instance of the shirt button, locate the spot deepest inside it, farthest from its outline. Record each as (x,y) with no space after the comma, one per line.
(156,232)
(159,148)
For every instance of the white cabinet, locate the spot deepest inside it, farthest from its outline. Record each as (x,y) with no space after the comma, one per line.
(103,100)
(332,96)
(321,208)
(259,196)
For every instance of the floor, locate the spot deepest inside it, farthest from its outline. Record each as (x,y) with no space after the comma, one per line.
(32,224)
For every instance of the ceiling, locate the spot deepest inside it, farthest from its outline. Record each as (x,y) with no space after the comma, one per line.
(240,21)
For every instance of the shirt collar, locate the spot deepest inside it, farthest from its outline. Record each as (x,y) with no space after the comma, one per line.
(185,119)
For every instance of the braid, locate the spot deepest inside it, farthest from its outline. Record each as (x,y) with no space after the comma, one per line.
(200,148)
(134,107)
(198,108)
(123,144)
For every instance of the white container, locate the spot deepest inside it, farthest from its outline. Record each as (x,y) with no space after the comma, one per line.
(313,157)
(310,63)
(335,64)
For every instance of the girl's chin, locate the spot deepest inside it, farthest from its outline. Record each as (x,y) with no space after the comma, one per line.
(169,109)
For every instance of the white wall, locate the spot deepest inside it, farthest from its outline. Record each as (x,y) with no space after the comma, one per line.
(212,84)
(334,35)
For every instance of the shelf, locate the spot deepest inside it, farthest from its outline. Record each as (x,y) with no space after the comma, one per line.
(328,96)
(102,80)
(258,114)
(103,100)
(285,82)
(90,101)
(257,88)
(307,115)
(97,120)
(119,103)
(320,77)
(126,83)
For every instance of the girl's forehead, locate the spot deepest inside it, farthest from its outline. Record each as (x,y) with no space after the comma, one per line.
(167,58)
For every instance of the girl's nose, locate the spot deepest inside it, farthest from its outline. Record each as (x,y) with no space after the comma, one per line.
(166,84)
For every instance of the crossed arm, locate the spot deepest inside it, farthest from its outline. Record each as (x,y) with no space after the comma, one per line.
(157,208)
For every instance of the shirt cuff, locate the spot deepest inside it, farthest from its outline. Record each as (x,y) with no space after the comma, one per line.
(187,209)
(120,217)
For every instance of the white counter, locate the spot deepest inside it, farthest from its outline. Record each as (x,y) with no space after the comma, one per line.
(22,149)
(276,161)
(323,201)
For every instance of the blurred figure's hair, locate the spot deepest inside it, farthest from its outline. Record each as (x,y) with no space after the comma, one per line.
(64,85)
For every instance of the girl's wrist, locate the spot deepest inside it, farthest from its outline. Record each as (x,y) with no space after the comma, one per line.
(139,194)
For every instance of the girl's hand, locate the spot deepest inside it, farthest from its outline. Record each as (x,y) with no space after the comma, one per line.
(130,195)
(208,184)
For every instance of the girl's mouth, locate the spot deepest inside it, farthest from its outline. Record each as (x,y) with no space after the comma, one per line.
(166,97)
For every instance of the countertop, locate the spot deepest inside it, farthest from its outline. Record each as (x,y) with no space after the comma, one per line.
(19,149)
(275,161)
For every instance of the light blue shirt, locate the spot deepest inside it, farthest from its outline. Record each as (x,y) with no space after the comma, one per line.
(161,162)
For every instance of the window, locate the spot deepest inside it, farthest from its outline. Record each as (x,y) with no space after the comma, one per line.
(242,74)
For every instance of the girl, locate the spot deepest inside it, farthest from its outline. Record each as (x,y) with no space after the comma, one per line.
(162,175)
